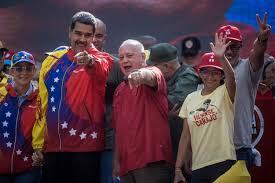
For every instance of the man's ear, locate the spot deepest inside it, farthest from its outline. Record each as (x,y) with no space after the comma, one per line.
(70,32)
(35,69)
(143,56)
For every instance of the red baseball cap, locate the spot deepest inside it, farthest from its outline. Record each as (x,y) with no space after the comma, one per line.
(233,33)
(210,60)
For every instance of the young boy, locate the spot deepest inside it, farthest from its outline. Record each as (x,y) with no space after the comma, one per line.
(17,116)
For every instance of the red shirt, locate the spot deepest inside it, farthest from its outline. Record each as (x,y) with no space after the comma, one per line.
(267,95)
(140,118)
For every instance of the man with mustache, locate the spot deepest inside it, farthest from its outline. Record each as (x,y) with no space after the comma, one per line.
(248,73)
(143,150)
(70,125)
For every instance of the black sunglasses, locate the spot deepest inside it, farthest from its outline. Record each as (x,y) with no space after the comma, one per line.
(24,68)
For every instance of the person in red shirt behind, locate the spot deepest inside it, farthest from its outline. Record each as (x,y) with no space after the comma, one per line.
(143,151)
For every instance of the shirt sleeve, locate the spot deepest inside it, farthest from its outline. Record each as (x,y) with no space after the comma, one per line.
(226,95)
(185,85)
(183,111)
(255,75)
(161,83)
(102,64)
(39,128)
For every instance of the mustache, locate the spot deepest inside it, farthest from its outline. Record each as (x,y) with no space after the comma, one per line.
(80,42)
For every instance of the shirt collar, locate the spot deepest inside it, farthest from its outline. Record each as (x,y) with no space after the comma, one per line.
(28,92)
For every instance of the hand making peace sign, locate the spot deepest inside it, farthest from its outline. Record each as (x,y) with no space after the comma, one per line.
(264,29)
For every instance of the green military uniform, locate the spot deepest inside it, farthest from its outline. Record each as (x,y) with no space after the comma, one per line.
(183,82)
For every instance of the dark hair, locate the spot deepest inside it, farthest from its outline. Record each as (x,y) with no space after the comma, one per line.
(84,18)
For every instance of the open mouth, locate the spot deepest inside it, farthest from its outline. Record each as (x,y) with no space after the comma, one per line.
(127,68)
(23,78)
(80,45)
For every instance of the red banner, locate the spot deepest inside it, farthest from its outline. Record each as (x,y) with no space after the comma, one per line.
(264,139)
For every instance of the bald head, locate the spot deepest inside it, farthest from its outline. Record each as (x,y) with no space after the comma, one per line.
(100,34)
(101,25)
(134,44)
(131,56)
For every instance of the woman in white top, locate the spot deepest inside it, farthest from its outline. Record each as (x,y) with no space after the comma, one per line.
(208,119)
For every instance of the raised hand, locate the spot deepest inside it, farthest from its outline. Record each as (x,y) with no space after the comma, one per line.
(220,45)
(264,30)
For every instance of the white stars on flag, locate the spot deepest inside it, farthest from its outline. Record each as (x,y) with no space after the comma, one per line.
(8,114)
(56,79)
(9,144)
(18,152)
(64,125)
(53,109)
(5,123)
(94,135)
(6,135)
(25,158)
(52,99)
(6,104)
(72,132)
(57,71)
(82,135)
(52,88)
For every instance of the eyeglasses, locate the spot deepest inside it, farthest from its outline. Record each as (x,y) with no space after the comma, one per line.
(206,73)
(24,68)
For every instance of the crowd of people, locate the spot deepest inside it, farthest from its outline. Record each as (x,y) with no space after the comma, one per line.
(145,115)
